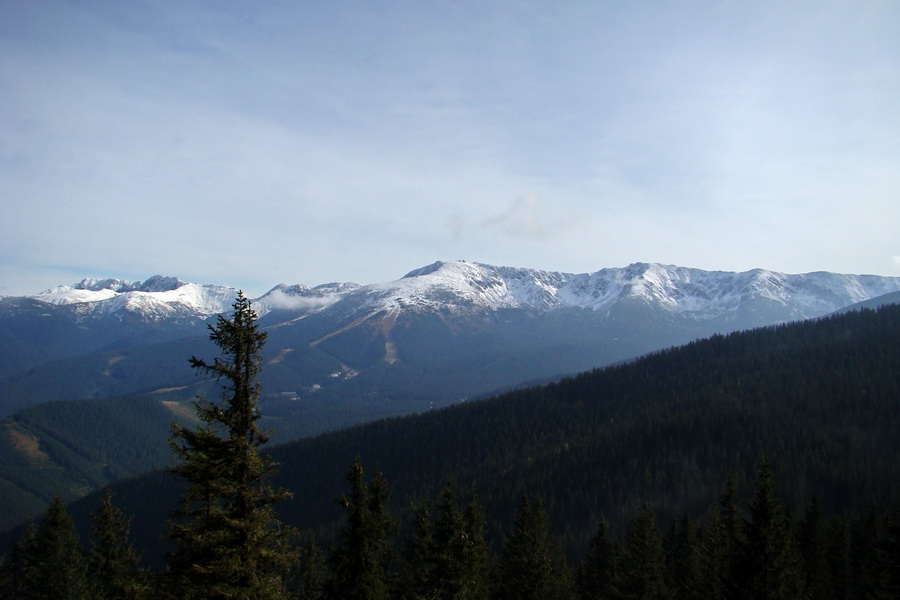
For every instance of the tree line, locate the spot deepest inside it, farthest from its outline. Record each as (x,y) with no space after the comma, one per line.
(750,549)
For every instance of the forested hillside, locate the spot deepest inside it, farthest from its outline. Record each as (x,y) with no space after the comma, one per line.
(611,457)
(73,448)
(820,398)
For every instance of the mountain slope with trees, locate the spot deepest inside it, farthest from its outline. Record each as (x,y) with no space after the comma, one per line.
(746,542)
(73,448)
(820,398)
(339,355)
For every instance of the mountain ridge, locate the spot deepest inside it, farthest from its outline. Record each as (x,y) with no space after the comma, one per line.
(471,286)
(461,328)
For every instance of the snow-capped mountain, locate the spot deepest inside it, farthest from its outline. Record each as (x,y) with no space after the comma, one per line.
(441,333)
(155,298)
(463,287)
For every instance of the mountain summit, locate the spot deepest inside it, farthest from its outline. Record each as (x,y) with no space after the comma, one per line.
(156,298)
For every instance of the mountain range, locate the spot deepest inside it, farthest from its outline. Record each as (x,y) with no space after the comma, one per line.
(343,353)
(441,334)
(462,287)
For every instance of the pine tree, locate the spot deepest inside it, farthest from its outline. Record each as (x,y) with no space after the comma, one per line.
(723,547)
(112,561)
(683,562)
(813,546)
(771,564)
(597,574)
(532,565)
(51,559)
(417,573)
(308,580)
(447,557)
(449,545)
(642,566)
(361,561)
(475,578)
(14,571)
(228,543)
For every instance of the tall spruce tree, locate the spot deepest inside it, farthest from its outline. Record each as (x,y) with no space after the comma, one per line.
(6,577)
(228,543)
(12,578)
(874,563)
(642,572)
(447,558)
(722,547)
(838,560)
(532,565)
(51,559)
(112,562)
(362,558)
(683,561)
(308,579)
(771,568)
(598,571)
(475,583)
(417,573)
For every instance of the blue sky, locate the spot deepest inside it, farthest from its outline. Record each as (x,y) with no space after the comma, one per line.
(252,144)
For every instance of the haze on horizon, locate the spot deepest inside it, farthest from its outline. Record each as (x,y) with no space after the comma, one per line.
(251,145)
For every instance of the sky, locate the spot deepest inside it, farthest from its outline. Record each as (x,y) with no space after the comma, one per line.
(257,143)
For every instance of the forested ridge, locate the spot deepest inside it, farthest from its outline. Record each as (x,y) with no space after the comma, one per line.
(822,399)
(75,447)
(653,469)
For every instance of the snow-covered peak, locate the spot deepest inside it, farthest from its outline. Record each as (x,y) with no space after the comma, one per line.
(74,294)
(444,285)
(93,290)
(694,293)
(426,270)
(96,285)
(155,298)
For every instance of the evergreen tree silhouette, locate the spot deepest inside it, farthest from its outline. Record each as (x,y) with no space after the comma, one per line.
(228,543)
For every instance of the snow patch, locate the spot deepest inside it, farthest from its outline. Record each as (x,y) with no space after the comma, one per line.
(157,297)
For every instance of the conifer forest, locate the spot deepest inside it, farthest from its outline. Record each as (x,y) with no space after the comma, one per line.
(758,465)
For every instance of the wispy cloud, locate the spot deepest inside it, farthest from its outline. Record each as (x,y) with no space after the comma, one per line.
(307,143)
(277,299)
(531,217)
